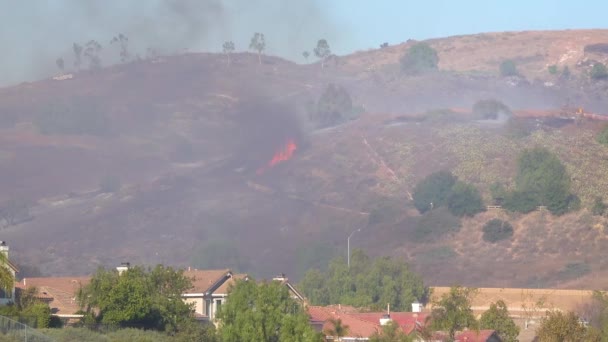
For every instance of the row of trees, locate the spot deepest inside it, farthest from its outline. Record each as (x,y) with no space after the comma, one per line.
(367,283)
(91,52)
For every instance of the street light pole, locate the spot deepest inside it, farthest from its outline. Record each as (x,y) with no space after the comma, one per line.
(348,246)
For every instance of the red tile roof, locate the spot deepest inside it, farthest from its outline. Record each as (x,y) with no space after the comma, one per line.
(474,336)
(407,321)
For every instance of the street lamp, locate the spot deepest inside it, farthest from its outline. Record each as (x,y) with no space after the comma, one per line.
(348,246)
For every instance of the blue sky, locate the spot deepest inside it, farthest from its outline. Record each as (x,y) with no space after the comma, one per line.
(35,33)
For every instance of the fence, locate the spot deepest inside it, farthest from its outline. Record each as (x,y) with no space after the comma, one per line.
(20,332)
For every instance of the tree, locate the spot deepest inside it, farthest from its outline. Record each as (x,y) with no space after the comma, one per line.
(433,190)
(420,58)
(306,54)
(334,106)
(599,71)
(337,330)
(543,179)
(123,45)
(149,298)
(7,280)
(322,51)
(552,69)
(496,230)
(391,332)
(258,43)
(60,64)
(263,312)
(228,49)
(77,55)
(15,211)
(497,318)
(566,327)
(464,200)
(453,313)
(91,51)
(508,68)
(367,283)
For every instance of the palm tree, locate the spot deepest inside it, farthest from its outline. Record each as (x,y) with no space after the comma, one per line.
(339,330)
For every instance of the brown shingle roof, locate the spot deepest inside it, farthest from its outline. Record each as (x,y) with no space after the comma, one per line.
(223,289)
(204,280)
(60,291)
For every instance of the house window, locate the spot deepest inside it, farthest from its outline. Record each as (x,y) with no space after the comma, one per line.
(218,304)
(5,294)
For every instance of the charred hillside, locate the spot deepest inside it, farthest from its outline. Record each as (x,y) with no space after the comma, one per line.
(216,161)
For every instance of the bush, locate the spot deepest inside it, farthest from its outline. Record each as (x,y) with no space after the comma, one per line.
(420,58)
(433,191)
(599,207)
(599,71)
(566,73)
(464,200)
(508,68)
(435,224)
(496,230)
(602,137)
(334,106)
(552,69)
(490,109)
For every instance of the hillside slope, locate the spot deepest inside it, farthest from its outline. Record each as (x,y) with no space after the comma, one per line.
(197,145)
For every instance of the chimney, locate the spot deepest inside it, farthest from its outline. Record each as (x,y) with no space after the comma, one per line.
(124,266)
(386,318)
(416,307)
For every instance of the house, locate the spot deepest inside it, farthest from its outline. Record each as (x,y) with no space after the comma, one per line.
(60,293)
(362,325)
(209,290)
(7,296)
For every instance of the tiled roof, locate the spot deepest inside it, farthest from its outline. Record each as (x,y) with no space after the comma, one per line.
(204,280)
(223,289)
(408,321)
(356,327)
(474,336)
(60,292)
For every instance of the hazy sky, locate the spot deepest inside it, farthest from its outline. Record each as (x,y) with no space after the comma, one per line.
(35,33)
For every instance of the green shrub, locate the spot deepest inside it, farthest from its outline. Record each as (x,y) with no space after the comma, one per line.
(490,109)
(508,68)
(70,334)
(496,230)
(602,137)
(552,69)
(599,71)
(418,59)
(433,191)
(138,335)
(566,73)
(465,200)
(599,207)
(334,106)
(434,224)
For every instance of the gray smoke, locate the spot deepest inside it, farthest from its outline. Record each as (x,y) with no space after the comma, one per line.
(35,35)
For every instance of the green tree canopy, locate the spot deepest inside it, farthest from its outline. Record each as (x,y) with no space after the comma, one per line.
(368,283)
(322,51)
(541,180)
(508,68)
(464,200)
(497,318)
(141,297)
(258,43)
(566,327)
(334,106)
(496,230)
(599,71)
(419,58)
(433,190)
(263,312)
(452,312)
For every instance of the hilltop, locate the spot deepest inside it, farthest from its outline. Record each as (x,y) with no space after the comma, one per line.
(170,160)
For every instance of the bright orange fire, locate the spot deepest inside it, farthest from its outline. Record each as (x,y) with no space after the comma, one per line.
(282,155)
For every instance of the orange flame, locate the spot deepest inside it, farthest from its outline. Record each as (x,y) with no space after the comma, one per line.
(283,155)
